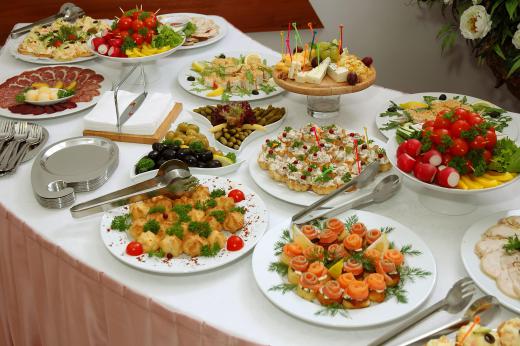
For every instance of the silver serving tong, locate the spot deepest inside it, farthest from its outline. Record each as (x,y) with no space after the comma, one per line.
(68,11)
(173,179)
(367,175)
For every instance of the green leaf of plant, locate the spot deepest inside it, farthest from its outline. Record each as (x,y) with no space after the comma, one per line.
(514,68)
(499,51)
(511,6)
(495,6)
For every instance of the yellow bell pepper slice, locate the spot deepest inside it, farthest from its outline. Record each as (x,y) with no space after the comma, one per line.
(499,176)
(461,185)
(487,182)
(472,185)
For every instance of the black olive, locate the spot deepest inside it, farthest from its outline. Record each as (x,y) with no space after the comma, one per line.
(442,97)
(190,160)
(168,154)
(314,62)
(159,162)
(494,114)
(154,155)
(222,56)
(183,152)
(173,146)
(158,147)
(364,146)
(214,164)
(204,156)
(392,109)
(191,78)
(490,339)
(201,164)
(255,92)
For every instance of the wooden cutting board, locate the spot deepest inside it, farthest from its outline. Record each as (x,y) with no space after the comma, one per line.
(143,139)
(327,87)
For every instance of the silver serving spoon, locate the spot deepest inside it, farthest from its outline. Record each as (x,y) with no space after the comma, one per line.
(485,307)
(457,298)
(385,189)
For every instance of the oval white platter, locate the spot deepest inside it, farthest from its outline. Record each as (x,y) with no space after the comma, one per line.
(281,191)
(511,131)
(106,85)
(221,22)
(417,291)
(186,72)
(472,261)
(256,220)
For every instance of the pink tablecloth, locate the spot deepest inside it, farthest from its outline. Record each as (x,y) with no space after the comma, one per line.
(49,298)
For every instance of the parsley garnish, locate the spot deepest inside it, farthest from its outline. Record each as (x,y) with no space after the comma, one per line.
(346,177)
(292,167)
(182,210)
(297,144)
(152,226)
(208,251)
(217,193)
(240,210)
(159,253)
(512,245)
(176,230)
(219,215)
(121,222)
(201,228)
(156,209)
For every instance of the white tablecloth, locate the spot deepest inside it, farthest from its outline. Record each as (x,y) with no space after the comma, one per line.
(229,298)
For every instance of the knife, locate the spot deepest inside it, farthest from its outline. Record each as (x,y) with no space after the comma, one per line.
(130,109)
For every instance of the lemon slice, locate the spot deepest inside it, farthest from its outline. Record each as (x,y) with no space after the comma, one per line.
(197,67)
(300,238)
(381,244)
(413,105)
(485,104)
(223,160)
(253,58)
(217,92)
(336,270)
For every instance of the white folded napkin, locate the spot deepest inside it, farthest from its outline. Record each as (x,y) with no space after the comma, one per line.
(144,121)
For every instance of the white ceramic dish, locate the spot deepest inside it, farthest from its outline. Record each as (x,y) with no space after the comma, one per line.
(390,310)
(391,150)
(281,191)
(177,21)
(50,102)
(472,261)
(186,72)
(106,85)
(256,219)
(511,131)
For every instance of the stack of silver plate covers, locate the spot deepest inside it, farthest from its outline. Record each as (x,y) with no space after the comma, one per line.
(78,164)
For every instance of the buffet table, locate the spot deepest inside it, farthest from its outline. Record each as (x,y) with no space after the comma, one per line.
(59,285)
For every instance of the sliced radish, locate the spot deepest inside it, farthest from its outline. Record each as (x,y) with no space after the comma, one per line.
(425,172)
(401,149)
(114,52)
(96,41)
(102,49)
(406,163)
(413,147)
(448,177)
(432,157)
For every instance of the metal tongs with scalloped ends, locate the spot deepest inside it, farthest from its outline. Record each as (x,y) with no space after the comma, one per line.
(68,11)
(172,180)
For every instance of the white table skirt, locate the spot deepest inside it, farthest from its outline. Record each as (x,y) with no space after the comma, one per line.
(229,298)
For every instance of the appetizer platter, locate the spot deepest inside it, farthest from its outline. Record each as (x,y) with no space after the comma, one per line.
(51,92)
(357,270)
(300,165)
(200,30)
(135,37)
(410,111)
(58,42)
(192,146)
(214,224)
(458,152)
(490,251)
(237,123)
(230,76)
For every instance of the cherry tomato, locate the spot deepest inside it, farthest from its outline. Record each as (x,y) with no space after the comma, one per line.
(136,15)
(479,142)
(237,195)
(115,32)
(461,113)
(134,248)
(441,123)
(234,243)
(491,139)
(123,34)
(487,155)
(149,36)
(458,126)
(427,123)
(438,134)
(150,22)
(428,130)
(459,147)
(138,39)
(446,158)
(441,113)
(57,43)
(137,24)
(72,37)
(124,23)
(474,119)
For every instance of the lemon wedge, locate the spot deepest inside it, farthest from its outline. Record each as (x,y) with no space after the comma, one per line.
(217,92)
(253,59)
(197,67)
(336,270)
(300,238)
(381,244)
(413,105)
(223,160)
(484,103)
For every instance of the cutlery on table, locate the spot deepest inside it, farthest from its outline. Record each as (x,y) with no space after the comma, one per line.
(6,131)
(20,135)
(457,298)
(485,307)
(34,137)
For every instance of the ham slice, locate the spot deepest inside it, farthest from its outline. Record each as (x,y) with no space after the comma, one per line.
(490,264)
(505,284)
(487,245)
(502,231)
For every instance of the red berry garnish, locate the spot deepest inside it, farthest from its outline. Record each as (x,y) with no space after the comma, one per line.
(331,131)
(315,154)
(352,78)
(380,156)
(295,162)
(352,134)
(367,61)
(305,147)
(309,169)
(322,145)
(303,177)
(284,134)
(271,151)
(267,141)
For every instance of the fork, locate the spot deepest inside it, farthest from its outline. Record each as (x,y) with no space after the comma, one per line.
(20,135)
(6,131)
(34,137)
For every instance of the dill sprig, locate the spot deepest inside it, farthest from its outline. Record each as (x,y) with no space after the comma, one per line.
(284,239)
(398,292)
(367,264)
(284,288)
(412,273)
(387,229)
(351,220)
(333,310)
(407,250)
(279,267)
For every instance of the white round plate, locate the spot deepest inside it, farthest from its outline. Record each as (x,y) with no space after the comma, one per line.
(511,131)
(281,191)
(221,22)
(13,49)
(256,219)
(417,291)
(106,85)
(133,60)
(391,150)
(186,71)
(472,261)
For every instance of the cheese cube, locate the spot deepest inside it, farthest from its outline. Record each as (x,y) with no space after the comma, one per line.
(300,77)
(316,75)
(296,67)
(337,73)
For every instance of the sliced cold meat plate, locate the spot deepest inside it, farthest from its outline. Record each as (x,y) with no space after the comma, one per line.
(84,84)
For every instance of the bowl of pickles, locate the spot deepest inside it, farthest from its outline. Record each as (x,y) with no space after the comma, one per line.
(234,124)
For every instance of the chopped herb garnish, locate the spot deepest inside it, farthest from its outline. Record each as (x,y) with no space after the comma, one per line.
(176,230)
(159,253)
(292,167)
(217,193)
(157,209)
(121,222)
(240,210)
(201,228)
(210,251)
(152,226)
(512,245)
(219,215)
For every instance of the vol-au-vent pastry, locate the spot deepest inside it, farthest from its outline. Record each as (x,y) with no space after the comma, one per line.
(509,332)
(477,335)
(442,341)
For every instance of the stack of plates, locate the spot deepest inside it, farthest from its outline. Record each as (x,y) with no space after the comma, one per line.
(78,164)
